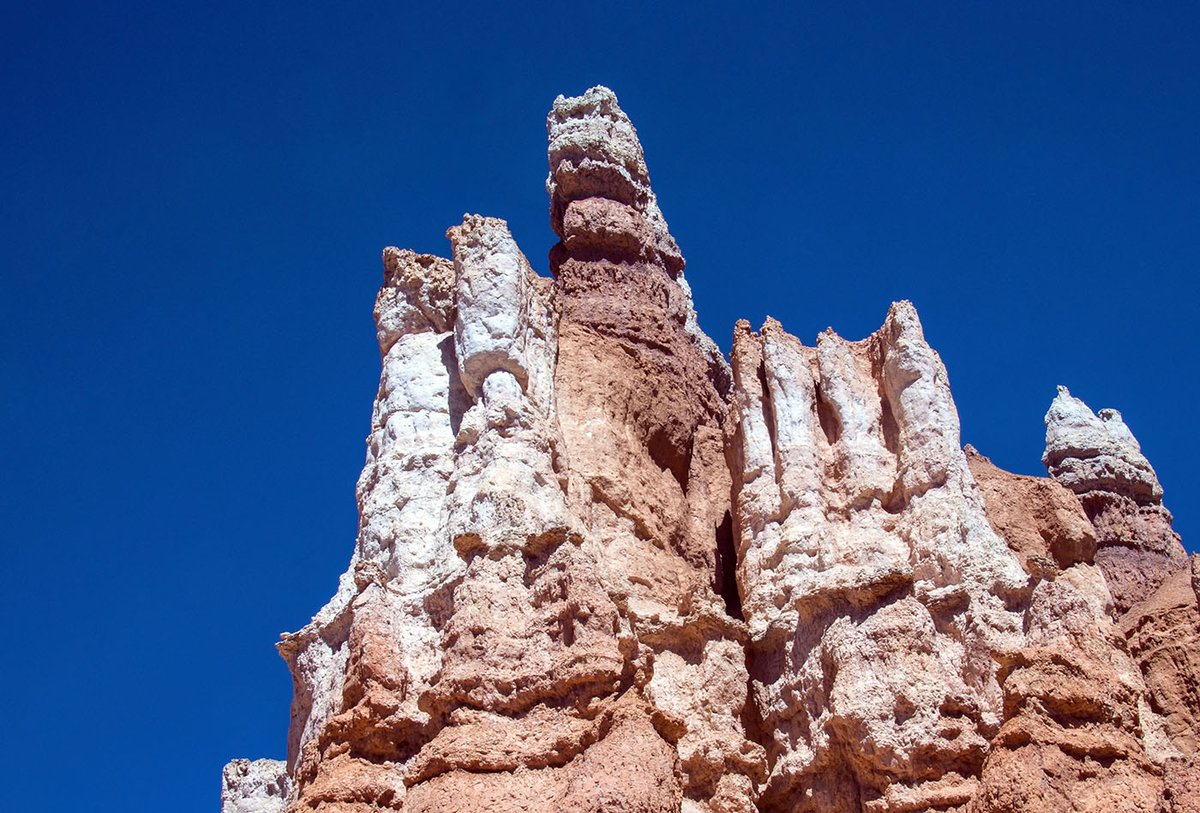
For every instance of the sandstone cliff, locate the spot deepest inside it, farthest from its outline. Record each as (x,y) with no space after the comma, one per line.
(599,568)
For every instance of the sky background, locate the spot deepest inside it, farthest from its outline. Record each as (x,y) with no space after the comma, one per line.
(195,197)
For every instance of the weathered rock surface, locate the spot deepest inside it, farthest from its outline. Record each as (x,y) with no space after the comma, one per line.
(1041,520)
(1164,637)
(599,568)
(1097,457)
(1075,705)
(260,786)
(1163,633)
(874,587)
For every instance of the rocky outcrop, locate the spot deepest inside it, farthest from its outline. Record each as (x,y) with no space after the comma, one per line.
(534,596)
(1098,458)
(599,568)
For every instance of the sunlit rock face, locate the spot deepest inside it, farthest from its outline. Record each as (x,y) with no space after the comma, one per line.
(875,589)
(600,568)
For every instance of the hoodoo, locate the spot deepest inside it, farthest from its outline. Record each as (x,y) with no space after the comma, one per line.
(600,568)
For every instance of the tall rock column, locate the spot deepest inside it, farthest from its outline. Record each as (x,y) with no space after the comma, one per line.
(360,666)
(641,399)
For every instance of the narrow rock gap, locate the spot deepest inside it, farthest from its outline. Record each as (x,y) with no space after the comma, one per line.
(827,416)
(767,407)
(891,429)
(725,578)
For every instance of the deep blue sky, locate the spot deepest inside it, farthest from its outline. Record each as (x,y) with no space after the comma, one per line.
(194,202)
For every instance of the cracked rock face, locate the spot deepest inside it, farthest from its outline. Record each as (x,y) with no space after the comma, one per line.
(600,568)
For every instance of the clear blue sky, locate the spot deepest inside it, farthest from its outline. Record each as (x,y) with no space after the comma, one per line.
(194,201)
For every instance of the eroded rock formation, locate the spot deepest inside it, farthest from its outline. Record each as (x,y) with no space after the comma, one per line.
(1076,723)
(599,568)
(1098,458)
(873,585)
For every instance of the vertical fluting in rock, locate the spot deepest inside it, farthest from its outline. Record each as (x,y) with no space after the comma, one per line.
(1097,457)
(874,587)
(600,569)
(361,666)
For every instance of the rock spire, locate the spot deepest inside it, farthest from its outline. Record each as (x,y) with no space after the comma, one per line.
(1098,458)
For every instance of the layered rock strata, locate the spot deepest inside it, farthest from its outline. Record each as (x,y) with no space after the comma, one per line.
(1098,458)
(599,568)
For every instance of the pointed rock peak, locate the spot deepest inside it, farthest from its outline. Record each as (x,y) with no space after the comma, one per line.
(594,151)
(1065,401)
(771,325)
(902,319)
(601,203)
(1090,452)
(1098,458)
